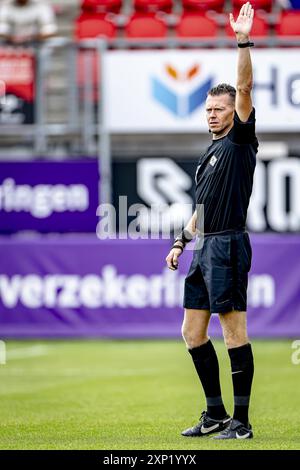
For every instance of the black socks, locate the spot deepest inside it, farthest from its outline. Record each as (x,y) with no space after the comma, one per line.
(242,368)
(207,367)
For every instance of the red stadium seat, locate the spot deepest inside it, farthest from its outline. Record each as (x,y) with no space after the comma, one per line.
(265,5)
(203,5)
(289,24)
(193,25)
(145,26)
(153,6)
(260,27)
(89,26)
(101,6)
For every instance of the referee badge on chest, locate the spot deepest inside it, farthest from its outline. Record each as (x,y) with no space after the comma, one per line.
(213,160)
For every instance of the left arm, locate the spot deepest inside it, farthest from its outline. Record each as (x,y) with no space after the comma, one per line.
(242,27)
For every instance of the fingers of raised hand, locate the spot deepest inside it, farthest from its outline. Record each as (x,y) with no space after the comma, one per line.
(246,11)
(243,9)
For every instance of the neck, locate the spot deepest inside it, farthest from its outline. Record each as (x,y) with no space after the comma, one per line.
(223,133)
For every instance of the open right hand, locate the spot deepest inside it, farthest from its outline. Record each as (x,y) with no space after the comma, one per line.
(243,24)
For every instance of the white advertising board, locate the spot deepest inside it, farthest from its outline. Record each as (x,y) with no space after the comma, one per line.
(165,90)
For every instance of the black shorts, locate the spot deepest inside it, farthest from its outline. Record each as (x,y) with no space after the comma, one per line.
(218,275)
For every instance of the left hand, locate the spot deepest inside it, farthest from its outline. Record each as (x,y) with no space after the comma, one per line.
(242,26)
(172,258)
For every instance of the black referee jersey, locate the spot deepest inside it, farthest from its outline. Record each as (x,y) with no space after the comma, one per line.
(224,177)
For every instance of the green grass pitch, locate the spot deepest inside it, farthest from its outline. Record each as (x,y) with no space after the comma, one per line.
(135,395)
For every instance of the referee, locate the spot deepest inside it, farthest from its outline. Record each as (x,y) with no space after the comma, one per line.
(218,275)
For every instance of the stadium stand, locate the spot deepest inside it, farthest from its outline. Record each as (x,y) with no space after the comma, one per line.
(128,9)
(145,25)
(101,6)
(265,5)
(91,25)
(142,19)
(288,24)
(148,6)
(196,25)
(203,5)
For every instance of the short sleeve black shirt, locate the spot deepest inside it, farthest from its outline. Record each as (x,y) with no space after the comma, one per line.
(224,177)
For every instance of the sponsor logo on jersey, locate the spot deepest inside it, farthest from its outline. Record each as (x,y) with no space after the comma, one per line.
(213,160)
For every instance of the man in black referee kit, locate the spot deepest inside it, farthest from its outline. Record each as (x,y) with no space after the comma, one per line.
(218,275)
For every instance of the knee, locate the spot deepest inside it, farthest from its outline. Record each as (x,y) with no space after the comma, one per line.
(235,339)
(192,338)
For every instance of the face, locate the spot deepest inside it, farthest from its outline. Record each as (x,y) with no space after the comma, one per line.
(219,113)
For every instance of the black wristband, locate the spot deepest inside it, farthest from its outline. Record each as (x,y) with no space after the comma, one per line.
(177,246)
(245,44)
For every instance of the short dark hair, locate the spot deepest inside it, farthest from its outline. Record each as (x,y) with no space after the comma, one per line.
(222,89)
